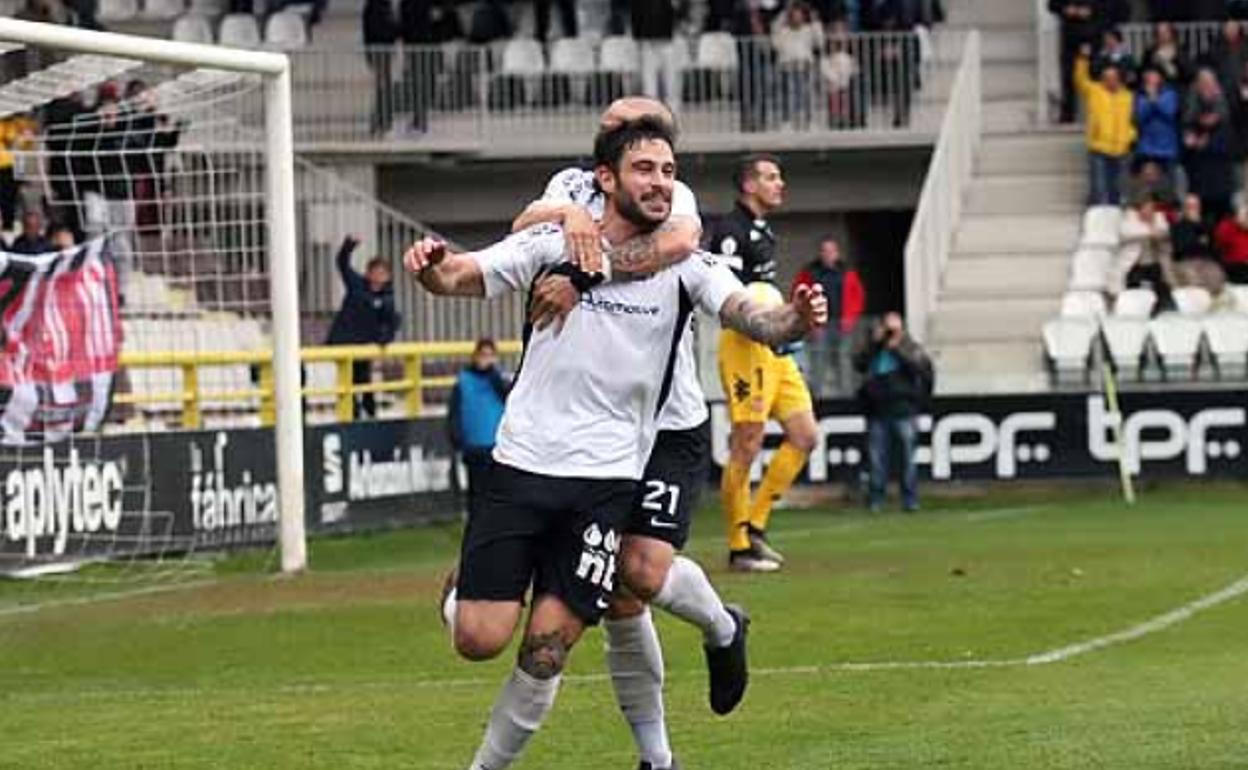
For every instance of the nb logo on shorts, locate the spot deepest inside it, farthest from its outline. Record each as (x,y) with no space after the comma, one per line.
(597,564)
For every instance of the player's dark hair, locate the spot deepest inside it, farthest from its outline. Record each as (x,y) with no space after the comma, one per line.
(747,168)
(610,146)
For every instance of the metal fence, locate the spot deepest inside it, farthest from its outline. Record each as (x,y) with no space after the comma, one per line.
(519,97)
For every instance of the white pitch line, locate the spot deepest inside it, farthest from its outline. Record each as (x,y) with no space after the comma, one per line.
(26,609)
(997,514)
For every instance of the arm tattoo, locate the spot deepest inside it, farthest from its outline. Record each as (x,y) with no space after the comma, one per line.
(770,326)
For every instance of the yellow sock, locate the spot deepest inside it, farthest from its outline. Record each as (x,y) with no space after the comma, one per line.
(734,492)
(781,473)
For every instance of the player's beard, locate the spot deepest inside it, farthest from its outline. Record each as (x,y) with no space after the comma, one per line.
(630,209)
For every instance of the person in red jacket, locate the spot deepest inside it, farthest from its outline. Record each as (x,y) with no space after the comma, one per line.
(1230,238)
(828,349)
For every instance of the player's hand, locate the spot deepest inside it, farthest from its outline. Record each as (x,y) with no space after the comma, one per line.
(553,298)
(427,252)
(584,242)
(811,305)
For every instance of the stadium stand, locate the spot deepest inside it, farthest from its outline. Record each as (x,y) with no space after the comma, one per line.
(193,28)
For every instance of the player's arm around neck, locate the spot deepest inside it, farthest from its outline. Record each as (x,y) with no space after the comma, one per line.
(647,254)
(584,244)
(780,325)
(442,271)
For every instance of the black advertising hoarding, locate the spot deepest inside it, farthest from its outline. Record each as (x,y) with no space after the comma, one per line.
(1177,434)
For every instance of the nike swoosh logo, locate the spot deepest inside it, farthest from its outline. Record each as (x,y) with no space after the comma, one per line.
(603,604)
(658,523)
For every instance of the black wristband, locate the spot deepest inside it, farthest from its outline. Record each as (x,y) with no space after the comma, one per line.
(581,280)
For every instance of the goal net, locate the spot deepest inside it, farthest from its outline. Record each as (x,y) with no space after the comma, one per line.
(148,206)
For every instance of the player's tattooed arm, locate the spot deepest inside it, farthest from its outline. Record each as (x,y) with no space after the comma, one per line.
(647,254)
(776,326)
(442,271)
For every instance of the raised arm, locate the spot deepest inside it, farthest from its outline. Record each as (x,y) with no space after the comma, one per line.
(779,325)
(442,271)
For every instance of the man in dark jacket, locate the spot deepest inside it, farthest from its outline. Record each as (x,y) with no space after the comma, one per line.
(1082,22)
(475,411)
(31,240)
(367,315)
(898,385)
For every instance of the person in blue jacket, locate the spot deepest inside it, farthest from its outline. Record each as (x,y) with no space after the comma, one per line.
(475,410)
(367,315)
(1157,123)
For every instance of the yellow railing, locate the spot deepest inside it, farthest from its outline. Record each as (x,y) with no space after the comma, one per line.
(189,398)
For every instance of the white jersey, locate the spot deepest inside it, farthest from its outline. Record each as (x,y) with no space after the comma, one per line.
(686,406)
(586,401)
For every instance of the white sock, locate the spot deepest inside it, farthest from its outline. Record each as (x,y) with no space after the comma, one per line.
(635,660)
(448,610)
(518,712)
(689,595)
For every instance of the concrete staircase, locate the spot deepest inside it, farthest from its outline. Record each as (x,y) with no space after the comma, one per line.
(1020,223)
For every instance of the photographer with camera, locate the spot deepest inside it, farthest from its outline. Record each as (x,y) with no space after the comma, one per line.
(897,385)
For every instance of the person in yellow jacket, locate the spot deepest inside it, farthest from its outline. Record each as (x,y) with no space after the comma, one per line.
(15,134)
(1109,107)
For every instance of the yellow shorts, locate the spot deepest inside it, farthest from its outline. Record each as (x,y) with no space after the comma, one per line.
(759,384)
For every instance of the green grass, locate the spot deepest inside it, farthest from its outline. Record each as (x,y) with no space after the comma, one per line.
(347,667)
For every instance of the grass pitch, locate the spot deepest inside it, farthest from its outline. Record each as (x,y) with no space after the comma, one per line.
(888,642)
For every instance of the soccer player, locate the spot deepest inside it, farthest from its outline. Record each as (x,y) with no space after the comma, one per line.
(675,473)
(760,382)
(578,427)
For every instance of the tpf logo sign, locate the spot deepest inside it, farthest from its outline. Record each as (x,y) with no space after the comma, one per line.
(1164,434)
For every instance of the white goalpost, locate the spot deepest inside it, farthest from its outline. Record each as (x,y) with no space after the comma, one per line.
(270,236)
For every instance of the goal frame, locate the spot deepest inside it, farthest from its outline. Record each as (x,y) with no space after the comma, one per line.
(274,68)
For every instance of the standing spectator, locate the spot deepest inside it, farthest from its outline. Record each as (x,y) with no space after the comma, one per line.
(654,27)
(1238,100)
(1110,130)
(1082,22)
(797,37)
(1144,256)
(1207,145)
(420,60)
(567,18)
(1166,55)
(828,347)
(898,385)
(1195,262)
(475,411)
(59,118)
(755,75)
(842,80)
(1157,122)
(16,132)
(381,32)
(489,23)
(1230,55)
(367,315)
(1114,52)
(31,240)
(1231,240)
(150,138)
(899,59)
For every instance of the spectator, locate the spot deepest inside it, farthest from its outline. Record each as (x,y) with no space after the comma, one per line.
(567,18)
(1114,52)
(796,37)
(31,240)
(1230,55)
(755,76)
(59,138)
(16,132)
(475,411)
(1157,122)
(898,385)
(1144,257)
(1231,240)
(62,237)
(1207,145)
(1167,57)
(1238,99)
(489,23)
(899,59)
(1151,182)
(1194,257)
(828,348)
(445,26)
(420,61)
(1082,22)
(367,315)
(1110,130)
(381,32)
(842,79)
(654,27)
(1187,10)
(152,135)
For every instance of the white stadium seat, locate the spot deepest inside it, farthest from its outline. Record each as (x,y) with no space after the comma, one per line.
(619,54)
(1101,225)
(681,58)
(1177,341)
(286,31)
(572,56)
(1089,270)
(1240,293)
(1127,340)
(1135,303)
(1083,304)
(239,30)
(163,10)
(718,51)
(117,10)
(193,28)
(210,8)
(1067,342)
(1227,335)
(1192,300)
(522,57)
